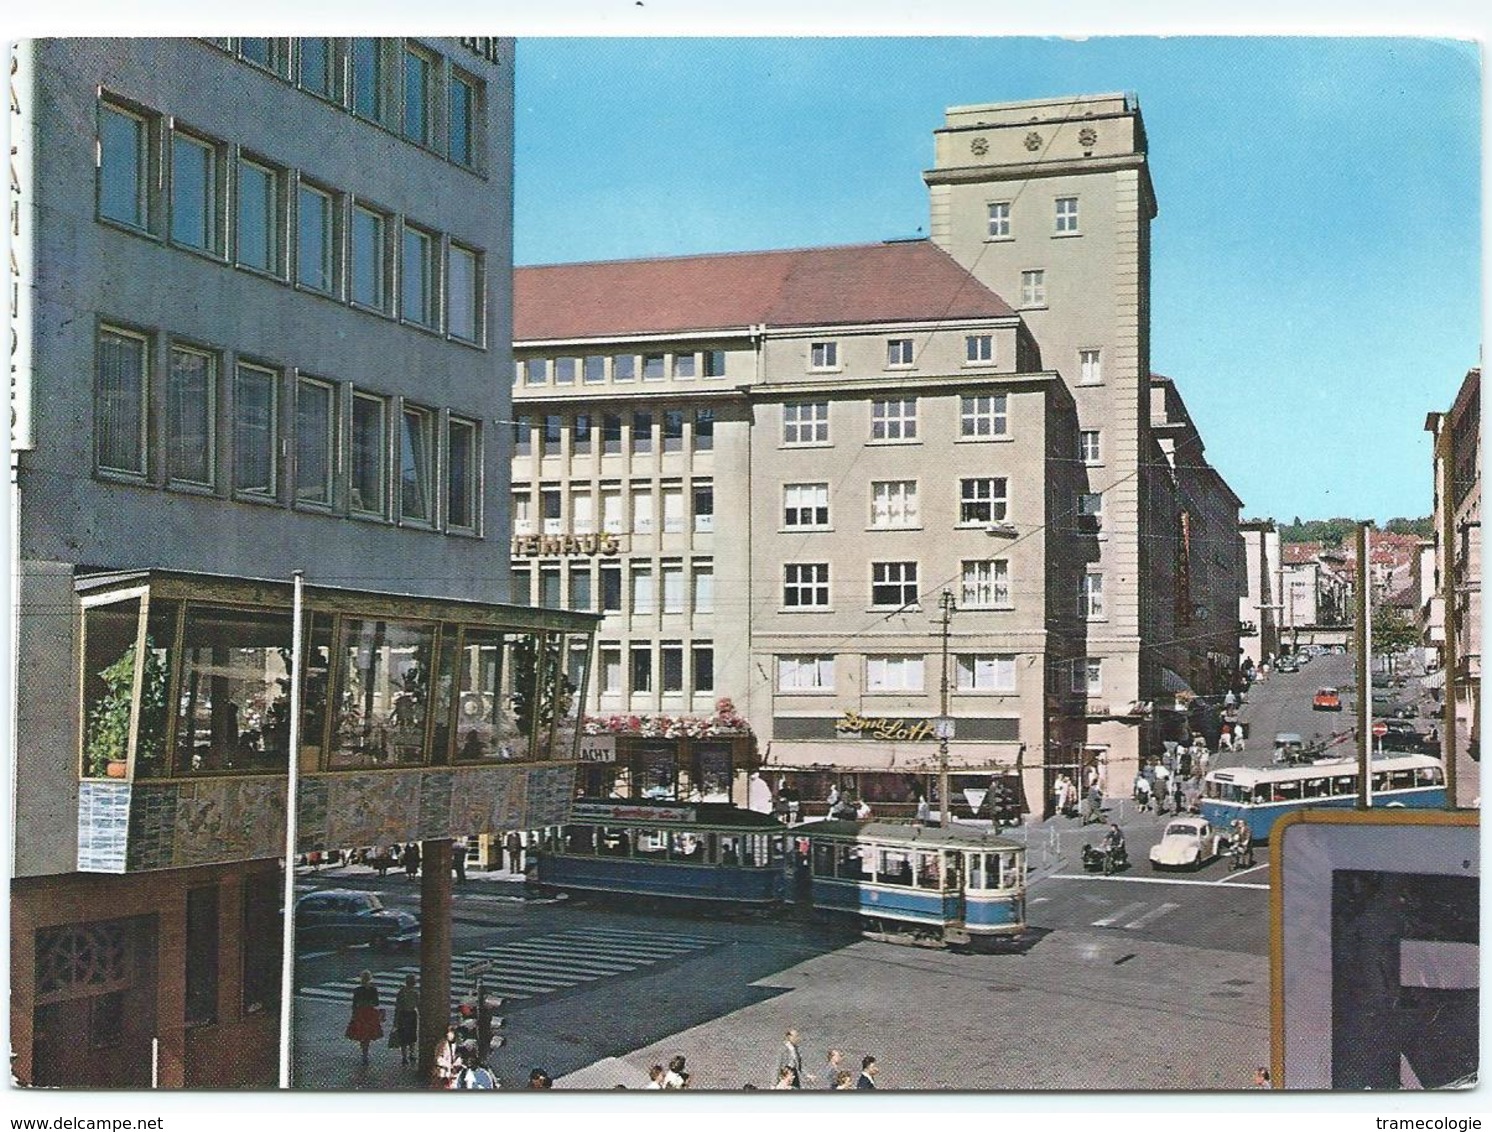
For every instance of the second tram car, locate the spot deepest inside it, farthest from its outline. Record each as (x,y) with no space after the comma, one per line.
(934,885)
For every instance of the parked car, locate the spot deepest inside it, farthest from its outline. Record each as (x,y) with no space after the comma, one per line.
(1327,699)
(1286,664)
(341,917)
(1187,843)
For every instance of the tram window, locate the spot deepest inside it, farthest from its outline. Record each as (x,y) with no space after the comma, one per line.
(894,867)
(1010,871)
(777,845)
(1261,792)
(1344,784)
(1380,780)
(686,847)
(1317,787)
(823,859)
(952,871)
(928,875)
(1427,776)
(1401,779)
(849,865)
(730,849)
(975,864)
(613,842)
(578,839)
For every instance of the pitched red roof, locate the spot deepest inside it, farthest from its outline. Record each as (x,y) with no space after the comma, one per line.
(904,281)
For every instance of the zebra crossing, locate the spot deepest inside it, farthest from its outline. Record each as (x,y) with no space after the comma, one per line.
(1133,917)
(530,967)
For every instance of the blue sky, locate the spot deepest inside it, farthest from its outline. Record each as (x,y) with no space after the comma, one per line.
(1316,274)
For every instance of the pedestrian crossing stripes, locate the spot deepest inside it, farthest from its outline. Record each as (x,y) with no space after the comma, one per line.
(527,968)
(1133,917)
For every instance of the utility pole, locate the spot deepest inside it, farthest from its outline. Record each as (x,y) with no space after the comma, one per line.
(945,724)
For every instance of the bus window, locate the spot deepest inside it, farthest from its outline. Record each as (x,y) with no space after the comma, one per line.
(578,839)
(928,874)
(1287,791)
(1400,779)
(1317,788)
(1380,781)
(1344,784)
(1427,776)
(894,866)
(1210,789)
(1261,792)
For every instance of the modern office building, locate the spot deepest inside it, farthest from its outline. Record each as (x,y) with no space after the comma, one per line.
(263,286)
(766,469)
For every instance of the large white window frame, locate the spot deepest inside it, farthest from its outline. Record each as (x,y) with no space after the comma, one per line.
(1090,366)
(1065,216)
(985,672)
(900,353)
(823,355)
(901,673)
(1090,446)
(997,213)
(893,420)
(982,415)
(805,423)
(805,585)
(979,349)
(985,584)
(893,504)
(805,506)
(893,585)
(983,500)
(1033,287)
(805,673)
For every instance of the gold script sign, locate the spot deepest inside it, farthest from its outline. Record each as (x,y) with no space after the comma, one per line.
(565,546)
(912,730)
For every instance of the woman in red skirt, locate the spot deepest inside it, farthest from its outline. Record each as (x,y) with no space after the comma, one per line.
(367,1020)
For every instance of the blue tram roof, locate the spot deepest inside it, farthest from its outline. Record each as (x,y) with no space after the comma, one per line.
(956,836)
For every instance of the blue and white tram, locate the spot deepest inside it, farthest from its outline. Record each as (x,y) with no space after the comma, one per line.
(944,886)
(706,852)
(1259,796)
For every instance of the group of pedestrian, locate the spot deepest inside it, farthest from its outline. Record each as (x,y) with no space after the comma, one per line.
(673,1076)
(791,1074)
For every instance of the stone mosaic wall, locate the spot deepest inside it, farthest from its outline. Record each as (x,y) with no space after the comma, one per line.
(161,825)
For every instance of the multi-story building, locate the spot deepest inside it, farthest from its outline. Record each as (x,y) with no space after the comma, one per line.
(1458,569)
(263,287)
(765,469)
(1259,608)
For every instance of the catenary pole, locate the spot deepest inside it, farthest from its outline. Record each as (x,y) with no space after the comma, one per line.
(945,605)
(287,939)
(1364,642)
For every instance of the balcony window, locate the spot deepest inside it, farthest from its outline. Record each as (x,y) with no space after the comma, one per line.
(234,704)
(704,506)
(383,692)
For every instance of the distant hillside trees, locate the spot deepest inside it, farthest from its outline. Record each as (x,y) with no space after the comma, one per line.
(1335,532)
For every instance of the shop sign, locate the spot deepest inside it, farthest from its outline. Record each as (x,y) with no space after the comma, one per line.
(630,811)
(879,727)
(597,749)
(565,546)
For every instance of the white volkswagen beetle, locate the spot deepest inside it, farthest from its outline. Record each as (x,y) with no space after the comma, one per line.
(1187,843)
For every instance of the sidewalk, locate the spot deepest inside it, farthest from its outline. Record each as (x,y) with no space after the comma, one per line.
(364,875)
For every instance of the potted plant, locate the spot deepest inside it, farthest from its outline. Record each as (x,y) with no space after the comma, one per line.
(106,748)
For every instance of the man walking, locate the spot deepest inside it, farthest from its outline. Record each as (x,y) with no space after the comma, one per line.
(791,1058)
(868,1071)
(833,1067)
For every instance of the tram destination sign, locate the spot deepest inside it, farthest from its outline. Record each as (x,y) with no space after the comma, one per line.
(633,811)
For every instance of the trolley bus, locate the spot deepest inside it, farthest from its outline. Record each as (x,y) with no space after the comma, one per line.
(707,852)
(1260,796)
(922,883)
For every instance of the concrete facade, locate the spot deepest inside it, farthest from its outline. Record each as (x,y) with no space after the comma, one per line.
(1108,495)
(217,240)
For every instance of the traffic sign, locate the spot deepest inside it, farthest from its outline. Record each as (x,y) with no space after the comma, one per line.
(943,727)
(1380,729)
(479,967)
